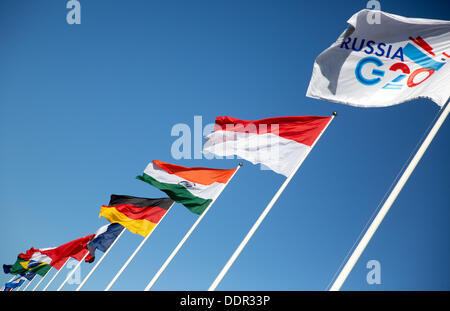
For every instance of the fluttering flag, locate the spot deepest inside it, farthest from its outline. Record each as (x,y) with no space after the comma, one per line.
(29,275)
(17,282)
(104,237)
(139,215)
(386,63)
(278,143)
(32,261)
(57,256)
(194,187)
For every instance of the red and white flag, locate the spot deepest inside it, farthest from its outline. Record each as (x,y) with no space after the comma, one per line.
(57,256)
(278,143)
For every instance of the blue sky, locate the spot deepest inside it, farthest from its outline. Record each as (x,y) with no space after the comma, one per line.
(84,108)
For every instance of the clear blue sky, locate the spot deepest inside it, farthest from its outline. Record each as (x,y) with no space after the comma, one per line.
(84,108)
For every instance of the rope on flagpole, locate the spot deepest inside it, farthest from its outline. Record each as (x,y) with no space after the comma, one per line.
(183,240)
(258,222)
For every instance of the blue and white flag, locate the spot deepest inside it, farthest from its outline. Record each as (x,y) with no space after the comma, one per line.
(104,237)
(384,62)
(29,275)
(17,282)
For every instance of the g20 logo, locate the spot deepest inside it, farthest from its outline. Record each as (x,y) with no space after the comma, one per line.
(402,68)
(428,67)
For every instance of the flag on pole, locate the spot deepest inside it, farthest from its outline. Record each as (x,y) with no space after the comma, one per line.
(57,256)
(104,237)
(25,265)
(278,143)
(139,215)
(386,63)
(17,282)
(194,187)
(29,275)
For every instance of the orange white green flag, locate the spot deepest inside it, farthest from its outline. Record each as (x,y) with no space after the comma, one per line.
(194,187)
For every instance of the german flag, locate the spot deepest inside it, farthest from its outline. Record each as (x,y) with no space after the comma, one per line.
(139,215)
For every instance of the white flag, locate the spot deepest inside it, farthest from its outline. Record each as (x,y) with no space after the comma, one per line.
(384,64)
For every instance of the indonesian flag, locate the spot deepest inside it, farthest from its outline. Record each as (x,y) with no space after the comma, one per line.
(57,256)
(278,143)
(194,187)
(383,59)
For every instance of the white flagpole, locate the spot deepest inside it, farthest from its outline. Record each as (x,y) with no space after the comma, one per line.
(388,203)
(18,288)
(12,278)
(42,278)
(135,252)
(99,261)
(29,282)
(54,276)
(263,215)
(72,272)
(183,240)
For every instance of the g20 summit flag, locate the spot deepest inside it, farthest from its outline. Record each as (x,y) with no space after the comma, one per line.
(278,143)
(386,63)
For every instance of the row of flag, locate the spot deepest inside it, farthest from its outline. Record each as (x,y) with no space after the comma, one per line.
(194,187)
(369,65)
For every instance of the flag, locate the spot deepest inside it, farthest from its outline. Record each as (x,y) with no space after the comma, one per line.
(104,237)
(194,187)
(278,143)
(384,64)
(17,282)
(25,264)
(139,215)
(75,249)
(29,275)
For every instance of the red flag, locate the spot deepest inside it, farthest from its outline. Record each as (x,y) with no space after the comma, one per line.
(75,249)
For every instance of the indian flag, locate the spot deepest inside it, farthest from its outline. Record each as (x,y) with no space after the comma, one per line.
(194,187)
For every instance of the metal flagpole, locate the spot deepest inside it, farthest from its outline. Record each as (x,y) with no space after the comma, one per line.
(181,243)
(29,282)
(388,203)
(53,278)
(42,278)
(99,261)
(18,288)
(72,272)
(263,215)
(135,252)
(12,278)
